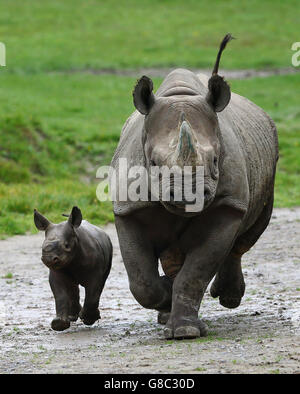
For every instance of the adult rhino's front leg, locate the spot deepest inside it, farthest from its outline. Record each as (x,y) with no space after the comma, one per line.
(206,242)
(150,289)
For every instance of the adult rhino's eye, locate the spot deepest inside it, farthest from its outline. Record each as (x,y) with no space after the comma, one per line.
(67,245)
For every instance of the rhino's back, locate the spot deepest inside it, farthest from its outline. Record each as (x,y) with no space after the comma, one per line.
(257,137)
(95,241)
(247,125)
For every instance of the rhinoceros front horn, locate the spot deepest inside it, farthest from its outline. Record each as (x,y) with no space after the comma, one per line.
(185,151)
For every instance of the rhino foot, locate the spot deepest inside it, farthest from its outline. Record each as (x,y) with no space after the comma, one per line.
(230,302)
(89,317)
(230,296)
(163,317)
(185,330)
(59,324)
(229,291)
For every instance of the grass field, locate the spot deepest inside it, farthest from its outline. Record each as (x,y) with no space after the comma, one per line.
(56,129)
(75,34)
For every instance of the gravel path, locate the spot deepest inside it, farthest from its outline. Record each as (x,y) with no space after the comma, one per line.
(261,336)
(161,72)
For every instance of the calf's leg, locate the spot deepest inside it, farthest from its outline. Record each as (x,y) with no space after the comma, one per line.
(89,314)
(66,294)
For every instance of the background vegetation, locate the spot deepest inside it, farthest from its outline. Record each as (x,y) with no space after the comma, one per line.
(57,126)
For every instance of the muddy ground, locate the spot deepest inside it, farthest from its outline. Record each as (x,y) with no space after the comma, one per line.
(261,336)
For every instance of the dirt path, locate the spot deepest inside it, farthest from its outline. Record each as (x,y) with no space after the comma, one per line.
(161,72)
(261,336)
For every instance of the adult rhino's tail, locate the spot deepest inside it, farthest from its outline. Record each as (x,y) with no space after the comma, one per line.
(224,42)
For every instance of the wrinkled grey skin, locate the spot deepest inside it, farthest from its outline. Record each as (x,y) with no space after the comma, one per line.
(76,253)
(236,141)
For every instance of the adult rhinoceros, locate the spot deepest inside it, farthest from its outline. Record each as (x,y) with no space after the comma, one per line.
(193,120)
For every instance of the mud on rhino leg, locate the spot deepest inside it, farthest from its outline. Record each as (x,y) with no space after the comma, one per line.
(217,233)
(150,289)
(66,294)
(229,283)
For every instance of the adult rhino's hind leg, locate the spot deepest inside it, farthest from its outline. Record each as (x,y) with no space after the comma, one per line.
(172,260)
(229,283)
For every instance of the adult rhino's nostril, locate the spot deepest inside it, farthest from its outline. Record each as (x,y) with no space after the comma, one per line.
(55,260)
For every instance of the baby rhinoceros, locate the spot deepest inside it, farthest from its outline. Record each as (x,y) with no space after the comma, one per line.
(77,253)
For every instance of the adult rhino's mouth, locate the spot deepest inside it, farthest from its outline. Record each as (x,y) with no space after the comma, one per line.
(189,208)
(179,208)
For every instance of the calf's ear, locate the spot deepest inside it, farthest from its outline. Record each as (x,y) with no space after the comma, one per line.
(143,97)
(40,221)
(218,93)
(75,217)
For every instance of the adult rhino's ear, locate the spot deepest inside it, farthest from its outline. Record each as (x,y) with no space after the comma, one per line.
(218,90)
(218,93)
(75,217)
(143,97)
(40,221)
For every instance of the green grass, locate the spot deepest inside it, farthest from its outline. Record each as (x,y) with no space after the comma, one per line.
(9,275)
(72,34)
(56,130)
(65,118)
(52,198)
(200,369)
